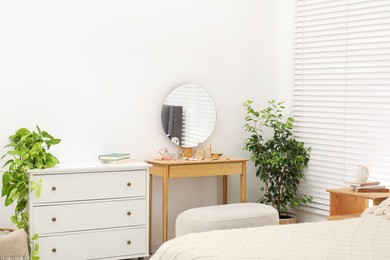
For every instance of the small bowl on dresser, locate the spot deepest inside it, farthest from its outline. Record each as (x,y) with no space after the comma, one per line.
(216,156)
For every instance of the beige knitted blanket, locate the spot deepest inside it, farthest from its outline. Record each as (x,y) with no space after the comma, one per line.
(13,246)
(382,209)
(364,238)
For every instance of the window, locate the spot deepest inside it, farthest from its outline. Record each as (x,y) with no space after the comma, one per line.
(342,91)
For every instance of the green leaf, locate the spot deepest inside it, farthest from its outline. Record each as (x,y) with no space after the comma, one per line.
(47,135)
(37,186)
(14,152)
(10,145)
(8,201)
(22,131)
(24,137)
(53,141)
(39,130)
(37,147)
(35,237)
(14,219)
(8,162)
(5,190)
(14,194)
(6,177)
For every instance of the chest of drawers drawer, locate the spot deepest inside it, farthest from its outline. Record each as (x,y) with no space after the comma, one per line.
(90,186)
(112,244)
(86,216)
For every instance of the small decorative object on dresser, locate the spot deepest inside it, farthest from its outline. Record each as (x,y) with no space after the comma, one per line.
(91,211)
(208,151)
(216,156)
(200,154)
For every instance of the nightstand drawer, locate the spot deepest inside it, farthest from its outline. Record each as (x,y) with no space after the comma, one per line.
(87,216)
(118,244)
(87,186)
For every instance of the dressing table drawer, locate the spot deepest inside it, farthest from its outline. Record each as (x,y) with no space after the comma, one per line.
(86,186)
(205,169)
(112,244)
(87,216)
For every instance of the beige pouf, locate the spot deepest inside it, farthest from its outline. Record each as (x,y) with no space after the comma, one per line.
(14,246)
(240,215)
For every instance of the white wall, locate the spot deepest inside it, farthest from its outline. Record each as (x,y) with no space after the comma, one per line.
(285,52)
(95,73)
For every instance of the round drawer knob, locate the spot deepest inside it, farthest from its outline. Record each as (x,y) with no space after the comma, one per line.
(53,188)
(129,184)
(129,242)
(54,219)
(54,250)
(128,213)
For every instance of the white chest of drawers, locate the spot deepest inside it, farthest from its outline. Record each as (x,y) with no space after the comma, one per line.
(91,211)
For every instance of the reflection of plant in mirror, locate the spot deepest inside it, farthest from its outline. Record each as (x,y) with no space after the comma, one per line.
(280,160)
(29,151)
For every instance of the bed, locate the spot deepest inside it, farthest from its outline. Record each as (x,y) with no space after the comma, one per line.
(366,237)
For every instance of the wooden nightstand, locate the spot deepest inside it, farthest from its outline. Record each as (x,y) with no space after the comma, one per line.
(346,203)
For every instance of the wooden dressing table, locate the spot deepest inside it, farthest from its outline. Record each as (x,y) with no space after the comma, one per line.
(185,169)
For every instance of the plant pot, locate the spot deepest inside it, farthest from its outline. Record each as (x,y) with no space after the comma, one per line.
(287,219)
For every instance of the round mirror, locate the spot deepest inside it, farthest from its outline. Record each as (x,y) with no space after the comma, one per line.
(188,115)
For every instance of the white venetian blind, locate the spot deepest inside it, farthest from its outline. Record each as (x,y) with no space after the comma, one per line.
(342,91)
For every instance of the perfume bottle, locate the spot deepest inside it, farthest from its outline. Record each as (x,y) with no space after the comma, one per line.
(208,151)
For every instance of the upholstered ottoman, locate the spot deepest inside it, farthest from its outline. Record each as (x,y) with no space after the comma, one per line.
(13,246)
(228,216)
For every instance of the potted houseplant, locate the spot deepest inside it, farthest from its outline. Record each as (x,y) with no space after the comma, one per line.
(28,150)
(279,160)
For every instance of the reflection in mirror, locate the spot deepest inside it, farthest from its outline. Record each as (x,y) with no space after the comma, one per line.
(188,115)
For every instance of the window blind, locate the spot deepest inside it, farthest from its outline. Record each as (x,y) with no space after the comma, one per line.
(341,99)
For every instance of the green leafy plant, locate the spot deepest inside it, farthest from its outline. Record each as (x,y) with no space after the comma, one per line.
(27,150)
(279,160)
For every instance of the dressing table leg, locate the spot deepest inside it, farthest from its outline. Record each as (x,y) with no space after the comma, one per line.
(150,212)
(224,189)
(243,182)
(165,204)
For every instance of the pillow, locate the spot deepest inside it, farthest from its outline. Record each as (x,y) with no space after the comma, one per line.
(14,246)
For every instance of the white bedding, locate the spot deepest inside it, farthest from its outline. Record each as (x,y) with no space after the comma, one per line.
(367,237)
